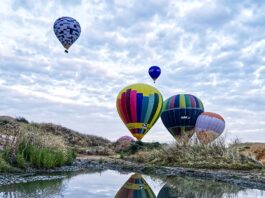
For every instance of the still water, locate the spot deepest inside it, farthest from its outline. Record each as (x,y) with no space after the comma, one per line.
(109,183)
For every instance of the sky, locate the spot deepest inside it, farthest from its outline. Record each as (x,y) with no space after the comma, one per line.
(211,49)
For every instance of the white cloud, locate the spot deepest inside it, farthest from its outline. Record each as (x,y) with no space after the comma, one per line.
(212,49)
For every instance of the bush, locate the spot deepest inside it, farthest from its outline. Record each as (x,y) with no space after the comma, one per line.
(22,119)
(135,147)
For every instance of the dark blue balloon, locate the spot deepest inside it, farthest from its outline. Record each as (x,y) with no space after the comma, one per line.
(67,30)
(154,72)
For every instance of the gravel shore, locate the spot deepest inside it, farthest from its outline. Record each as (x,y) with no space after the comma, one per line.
(247,179)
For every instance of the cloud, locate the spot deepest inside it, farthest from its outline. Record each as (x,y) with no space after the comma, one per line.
(211,49)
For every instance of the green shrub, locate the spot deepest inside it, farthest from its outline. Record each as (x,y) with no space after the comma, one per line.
(140,146)
(4,166)
(8,156)
(22,119)
(21,162)
(70,156)
(44,157)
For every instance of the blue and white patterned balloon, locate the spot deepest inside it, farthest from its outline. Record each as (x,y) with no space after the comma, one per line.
(67,30)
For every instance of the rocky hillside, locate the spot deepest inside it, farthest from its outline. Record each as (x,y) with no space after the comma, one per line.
(10,128)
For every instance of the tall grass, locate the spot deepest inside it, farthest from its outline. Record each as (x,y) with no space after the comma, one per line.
(42,157)
(4,166)
(214,156)
(37,149)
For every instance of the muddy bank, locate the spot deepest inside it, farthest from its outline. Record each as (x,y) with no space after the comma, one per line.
(246,179)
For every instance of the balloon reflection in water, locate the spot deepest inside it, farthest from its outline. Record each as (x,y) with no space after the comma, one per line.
(135,187)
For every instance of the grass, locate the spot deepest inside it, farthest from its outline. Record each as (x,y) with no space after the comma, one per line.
(49,145)
(33,148)
(215,156)
(42,157)
(129,148)
(4,166)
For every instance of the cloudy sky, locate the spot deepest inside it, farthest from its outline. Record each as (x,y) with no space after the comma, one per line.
(211,49)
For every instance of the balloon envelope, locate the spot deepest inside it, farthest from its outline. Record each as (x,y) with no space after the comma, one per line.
(67,30)
(179,115)
(135,187)
(209,126)
(125,138)
(139,106)
(154,72)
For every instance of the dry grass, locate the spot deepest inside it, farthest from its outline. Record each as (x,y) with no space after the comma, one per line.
(33,146)
(215,156)
(30,134)
(255,151)
(72,139)
(33,135)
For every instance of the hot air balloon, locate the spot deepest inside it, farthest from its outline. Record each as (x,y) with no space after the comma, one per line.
(154,72)
(139,106)
(209,126)
(67,30)
(179,115)
(135,187)
(125,138)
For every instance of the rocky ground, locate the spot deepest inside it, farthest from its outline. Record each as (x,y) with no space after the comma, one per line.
(9,179)
(247,179)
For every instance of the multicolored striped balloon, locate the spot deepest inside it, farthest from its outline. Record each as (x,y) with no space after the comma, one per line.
(135,187)
(139,106)
(209,126)
(179,115)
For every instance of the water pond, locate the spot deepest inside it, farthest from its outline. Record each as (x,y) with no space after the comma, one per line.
(92,184)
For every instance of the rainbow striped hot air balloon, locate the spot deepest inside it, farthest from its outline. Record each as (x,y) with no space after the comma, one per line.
(135,187)
(179,115)
(209,126)
(139,106)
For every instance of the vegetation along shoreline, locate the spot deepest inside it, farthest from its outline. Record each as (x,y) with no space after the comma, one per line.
(29,150)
